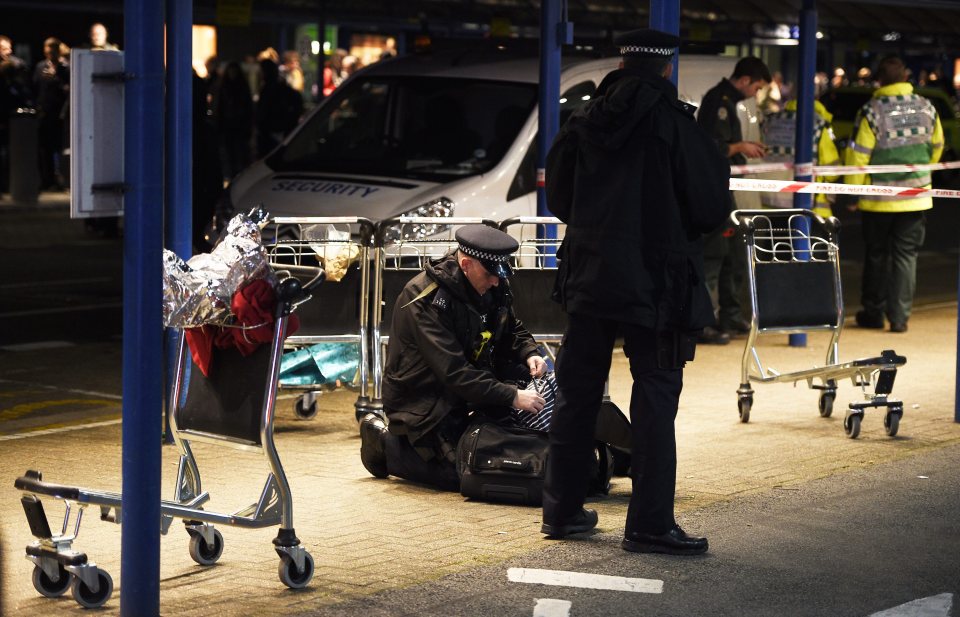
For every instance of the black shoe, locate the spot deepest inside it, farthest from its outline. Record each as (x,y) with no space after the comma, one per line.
(584,521)
(898,327)
(712,336)
(738,329)
(673,542)
(372,454)
(869,320)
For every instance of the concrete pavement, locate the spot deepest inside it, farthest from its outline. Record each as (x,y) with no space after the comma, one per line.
(369,535)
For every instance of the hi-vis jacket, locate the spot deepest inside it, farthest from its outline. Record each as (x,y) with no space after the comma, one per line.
(895,127)
(779,135)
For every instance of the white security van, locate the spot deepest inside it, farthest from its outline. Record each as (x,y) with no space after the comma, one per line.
(450,133)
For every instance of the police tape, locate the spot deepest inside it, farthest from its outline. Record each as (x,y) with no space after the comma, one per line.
(790,186)
(836,170)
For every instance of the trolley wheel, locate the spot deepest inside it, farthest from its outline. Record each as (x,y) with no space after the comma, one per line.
(744,403)
(891,420)
(826,403)
(852,425)
(47,587)
(289,575)
(305,412)
(203,553)
(89,599)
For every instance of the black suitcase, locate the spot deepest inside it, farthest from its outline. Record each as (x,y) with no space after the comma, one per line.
(502,463)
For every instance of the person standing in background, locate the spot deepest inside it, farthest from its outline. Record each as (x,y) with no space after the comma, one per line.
(724,263)
(896,127)
(98,38)
(51,82)
(779,137)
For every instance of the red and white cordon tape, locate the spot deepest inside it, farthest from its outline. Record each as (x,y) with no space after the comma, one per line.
(836,170)
(791,186)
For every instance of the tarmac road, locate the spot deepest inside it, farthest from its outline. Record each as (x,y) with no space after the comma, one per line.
(853,544)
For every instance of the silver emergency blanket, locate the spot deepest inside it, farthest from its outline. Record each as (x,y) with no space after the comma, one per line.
(323,363)
(199,291)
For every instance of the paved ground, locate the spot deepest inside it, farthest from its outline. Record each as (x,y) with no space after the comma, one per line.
(370,535)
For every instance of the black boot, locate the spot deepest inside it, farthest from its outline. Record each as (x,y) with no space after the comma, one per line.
(372,453)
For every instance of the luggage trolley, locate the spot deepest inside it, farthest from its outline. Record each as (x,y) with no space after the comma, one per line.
(342,316)
(794,281)
(233,406)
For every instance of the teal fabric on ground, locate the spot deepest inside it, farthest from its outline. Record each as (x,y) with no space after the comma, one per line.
(320,364)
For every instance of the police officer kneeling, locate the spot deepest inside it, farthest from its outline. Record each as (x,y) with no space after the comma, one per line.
(455,347)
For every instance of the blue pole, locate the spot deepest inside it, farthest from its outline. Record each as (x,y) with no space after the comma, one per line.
(803,163)
(142,298)
(179,157)
(554,31)
(665,17)
(548,120)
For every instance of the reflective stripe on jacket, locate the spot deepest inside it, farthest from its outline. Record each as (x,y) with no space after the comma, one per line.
(895,127)
(779,135)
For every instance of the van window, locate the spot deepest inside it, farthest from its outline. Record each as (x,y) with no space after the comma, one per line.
(429,128)
(525,180)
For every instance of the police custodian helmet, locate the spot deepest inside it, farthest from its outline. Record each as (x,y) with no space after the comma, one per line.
(646,43)
(488,245)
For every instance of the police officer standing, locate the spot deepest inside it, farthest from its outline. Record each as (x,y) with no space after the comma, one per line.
(896,126)
(724,264)
(638,183)
(455,347)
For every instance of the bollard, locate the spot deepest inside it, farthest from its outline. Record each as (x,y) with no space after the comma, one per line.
(24,170)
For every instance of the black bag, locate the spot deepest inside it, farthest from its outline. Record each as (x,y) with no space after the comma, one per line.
(507,464)
(502,463)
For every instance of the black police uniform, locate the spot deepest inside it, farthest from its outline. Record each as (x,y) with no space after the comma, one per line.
(725,266)
(638,182)
(451,352)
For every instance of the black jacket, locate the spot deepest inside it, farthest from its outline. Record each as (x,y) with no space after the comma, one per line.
(638,183)
(430,369)
(718,116)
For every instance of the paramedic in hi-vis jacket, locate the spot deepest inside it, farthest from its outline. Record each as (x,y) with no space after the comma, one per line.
(895,127)
(779,136)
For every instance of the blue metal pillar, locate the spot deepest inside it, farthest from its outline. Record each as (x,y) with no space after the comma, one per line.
(142,298)
(554,31)
(665,17)
(179,157)
(803,163)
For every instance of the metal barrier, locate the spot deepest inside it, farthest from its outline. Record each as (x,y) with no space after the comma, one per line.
(342,314)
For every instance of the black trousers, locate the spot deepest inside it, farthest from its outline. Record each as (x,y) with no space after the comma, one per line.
(404,461)
(892,242)
(583,365)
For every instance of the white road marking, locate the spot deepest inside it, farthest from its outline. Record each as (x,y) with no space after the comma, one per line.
(64,309)
(584,580)
(84,281)
(60,429)
(30,384)
(39,345)
(548,607)
(933,606)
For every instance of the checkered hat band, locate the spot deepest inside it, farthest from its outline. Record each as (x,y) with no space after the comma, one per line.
(638,49)
(476,254)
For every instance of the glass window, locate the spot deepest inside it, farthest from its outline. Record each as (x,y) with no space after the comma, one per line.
(526,179)
(413,127)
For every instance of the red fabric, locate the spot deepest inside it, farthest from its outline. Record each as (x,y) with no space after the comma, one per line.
(252,305)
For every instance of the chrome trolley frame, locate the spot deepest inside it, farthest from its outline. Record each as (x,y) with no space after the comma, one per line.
(793,269)
(58,567)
